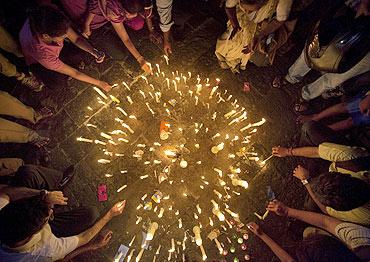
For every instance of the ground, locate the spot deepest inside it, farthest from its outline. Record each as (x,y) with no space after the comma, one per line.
(200,23)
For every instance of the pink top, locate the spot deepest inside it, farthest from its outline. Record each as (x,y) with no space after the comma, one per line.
(37,51)
(105,11)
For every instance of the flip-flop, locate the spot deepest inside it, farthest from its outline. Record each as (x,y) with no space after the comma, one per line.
(44,113)
(279,82)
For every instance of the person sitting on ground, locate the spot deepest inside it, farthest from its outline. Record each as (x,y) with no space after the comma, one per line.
(42,37)
(321,248)
(357,116)
(8,44)
(256,29)
(355,237)
(356,19)
(343,192)
(11,132)
(120,13)
(25,233)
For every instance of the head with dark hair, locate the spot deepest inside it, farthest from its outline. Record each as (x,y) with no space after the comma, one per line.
(252,5)
(340,191)
(21,219)
(133,7)
(324,249)
(48,23)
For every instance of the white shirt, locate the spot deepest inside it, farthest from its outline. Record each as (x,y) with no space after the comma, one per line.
(43,246)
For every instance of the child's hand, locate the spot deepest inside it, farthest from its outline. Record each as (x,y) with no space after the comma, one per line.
(301,173)
(147,68)
(278,207)
(280,151)
(105,86)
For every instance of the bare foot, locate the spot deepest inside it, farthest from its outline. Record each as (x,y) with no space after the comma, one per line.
(40,141)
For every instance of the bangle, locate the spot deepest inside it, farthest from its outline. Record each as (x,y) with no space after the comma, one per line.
(304,182)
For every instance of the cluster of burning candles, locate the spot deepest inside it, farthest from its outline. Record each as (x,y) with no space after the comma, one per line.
(114,144)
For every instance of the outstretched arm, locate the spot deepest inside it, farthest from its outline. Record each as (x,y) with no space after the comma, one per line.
(81,42)
(86,26)
(275,247)
(322,221)
(311,152)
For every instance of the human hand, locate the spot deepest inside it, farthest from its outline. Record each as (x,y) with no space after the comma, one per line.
(56,198)
(102,239)
(104,86)
(301,173)
(99,56)
(280,151)
(155,37)
(117,209)
(255,228)
(363,8)
(147,68)
(86,32)
(365,106)
(278,208)
(247,49)
(236,29)
(167,47)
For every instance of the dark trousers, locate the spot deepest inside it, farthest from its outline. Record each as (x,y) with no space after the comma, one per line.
(314,133)
(65,223)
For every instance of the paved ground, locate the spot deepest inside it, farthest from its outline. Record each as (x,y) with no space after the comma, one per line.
(199,23)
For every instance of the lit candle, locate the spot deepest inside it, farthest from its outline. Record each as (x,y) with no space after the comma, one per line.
(159,70)
(99,142)
(146,79)
(128,127)
(121,110)
(175,84)
(239,182)
(198,239)
(129,100)
(196,100)
(199,209)
(151,231)
(130,255)
(100,92)
(138,257)
(168,82)
(82,139)
(103,161)
(149,108)
(121,188)
(142,93)
(166,58)
(213,91)
(126,85)
(180,223)
(199,88)
(132,241)
(204,256)
(105,135)
(161,211)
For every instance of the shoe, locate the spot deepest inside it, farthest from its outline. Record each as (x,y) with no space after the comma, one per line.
(337,92)
(31,82)
(68,175)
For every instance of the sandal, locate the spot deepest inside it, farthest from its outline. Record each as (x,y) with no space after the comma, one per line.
(40,141)
(279,82)
(300,107)
(43,113)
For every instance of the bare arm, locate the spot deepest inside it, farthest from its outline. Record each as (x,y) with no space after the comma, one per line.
(86,236)
(16,193)
(276,248)
(317,202)
(70,71)
(322,221)
(122,33)
(311,152)
(81,42)
(270,28)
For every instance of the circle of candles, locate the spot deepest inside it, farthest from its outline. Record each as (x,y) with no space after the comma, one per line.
(224,252)
(232,249)
(246,236)
(243,246)
(247,257)
(240,240)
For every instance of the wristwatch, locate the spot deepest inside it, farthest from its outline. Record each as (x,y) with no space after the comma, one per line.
(304,182)
(43,193)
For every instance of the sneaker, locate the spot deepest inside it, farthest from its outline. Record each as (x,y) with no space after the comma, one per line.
(336,92)
(31,82)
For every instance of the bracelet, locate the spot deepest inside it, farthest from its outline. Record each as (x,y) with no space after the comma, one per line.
(304,182)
